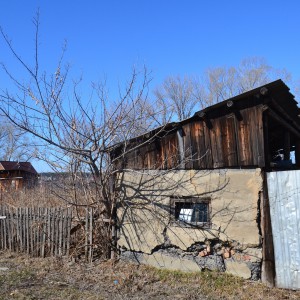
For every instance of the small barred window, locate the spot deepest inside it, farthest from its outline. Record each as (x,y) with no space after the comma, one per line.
(194,211)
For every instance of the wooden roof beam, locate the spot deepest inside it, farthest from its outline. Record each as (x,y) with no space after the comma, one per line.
(203,116)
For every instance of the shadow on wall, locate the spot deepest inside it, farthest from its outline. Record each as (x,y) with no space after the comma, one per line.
(191,220)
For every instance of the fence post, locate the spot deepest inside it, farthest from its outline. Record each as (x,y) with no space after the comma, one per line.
(91,235)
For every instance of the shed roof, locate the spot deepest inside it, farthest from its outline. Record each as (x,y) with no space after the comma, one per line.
(15,165)
(275,94)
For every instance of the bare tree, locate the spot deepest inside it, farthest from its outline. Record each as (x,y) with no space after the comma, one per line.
(73,133)
(179,97)
(176,98)
(14,143)
(224,82)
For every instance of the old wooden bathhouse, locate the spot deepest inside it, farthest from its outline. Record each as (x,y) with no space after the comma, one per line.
(219,190)
(245,131)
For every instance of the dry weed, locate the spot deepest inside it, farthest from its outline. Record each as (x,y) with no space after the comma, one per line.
(59,278)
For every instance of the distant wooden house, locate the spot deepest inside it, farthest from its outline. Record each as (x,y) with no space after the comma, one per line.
(17,175)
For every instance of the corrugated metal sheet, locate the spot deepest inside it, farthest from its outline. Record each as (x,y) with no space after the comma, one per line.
(284,197)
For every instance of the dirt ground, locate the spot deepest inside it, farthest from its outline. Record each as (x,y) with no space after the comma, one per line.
(22,277)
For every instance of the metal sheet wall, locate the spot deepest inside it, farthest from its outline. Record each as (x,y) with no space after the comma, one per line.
(284,198)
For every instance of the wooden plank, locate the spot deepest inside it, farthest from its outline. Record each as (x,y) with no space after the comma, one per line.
(229,147)
(163,153)
(91,235)
(256,138)
(173,151)
(52,232)
(21,229)
(43,228)
(260,136)
(86,233)
(152,155)
(267,154)
(27,230)
(57,230)
(170,151)
(187,146)
(15,231)
(9,229)
(32,231)
(243,130)
(60,232)
(253,140)
(17,245)
(158,150)
(36,231)
(64,233)
(201,148)
(216,144)
(207,139)
(195,145)
(69,225)
(5,228)
(49,223)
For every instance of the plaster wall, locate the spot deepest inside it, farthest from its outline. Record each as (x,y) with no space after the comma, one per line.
(146,224)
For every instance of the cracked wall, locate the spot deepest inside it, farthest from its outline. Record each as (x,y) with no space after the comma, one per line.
(149,234)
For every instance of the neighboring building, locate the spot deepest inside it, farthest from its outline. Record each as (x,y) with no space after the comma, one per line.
(194,194)
(17,175)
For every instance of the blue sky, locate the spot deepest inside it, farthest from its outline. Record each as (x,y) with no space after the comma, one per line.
(169,37)
(106,38)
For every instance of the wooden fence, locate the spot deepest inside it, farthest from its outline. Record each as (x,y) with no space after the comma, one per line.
(46,231)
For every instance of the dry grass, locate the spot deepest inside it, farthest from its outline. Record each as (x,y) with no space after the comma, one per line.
(58,278)
(61,193)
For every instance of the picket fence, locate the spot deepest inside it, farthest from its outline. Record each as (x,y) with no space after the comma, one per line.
(44,232)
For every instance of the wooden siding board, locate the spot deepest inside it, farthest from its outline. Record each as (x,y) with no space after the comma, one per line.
(250,137)
(208,149)
(260,136)
(151,156)
(244,139)
(257,137)
(162,154)
(195,142)
(253,141)
(158,154)
(229,148)
(175,151)
(187,142)
(201,145)
(216,144)
(170,149)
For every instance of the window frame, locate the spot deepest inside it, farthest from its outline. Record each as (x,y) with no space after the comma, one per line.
(192,200)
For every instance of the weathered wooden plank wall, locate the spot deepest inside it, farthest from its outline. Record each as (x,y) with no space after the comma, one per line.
(46,231)
(36,231)
(229,140)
